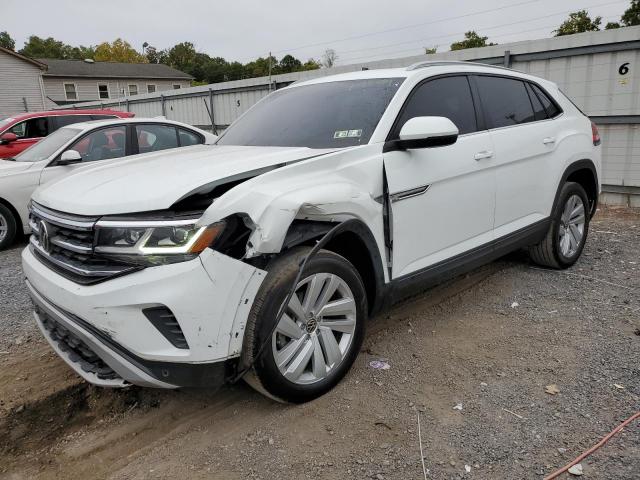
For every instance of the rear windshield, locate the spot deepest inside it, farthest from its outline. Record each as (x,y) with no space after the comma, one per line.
(48,145)
(323,115)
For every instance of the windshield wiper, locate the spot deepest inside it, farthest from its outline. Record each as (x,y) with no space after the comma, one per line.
(10,159)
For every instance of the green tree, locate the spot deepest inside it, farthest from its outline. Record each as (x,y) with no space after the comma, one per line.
(289,64)
(471,40)
(37,47)
(118,51)
(631,16)
(578,22)
(6,41)
(612,26)
(154,55)
(311,64)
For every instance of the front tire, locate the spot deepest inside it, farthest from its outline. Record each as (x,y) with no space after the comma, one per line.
(567,234)
(8,227)
(319,336)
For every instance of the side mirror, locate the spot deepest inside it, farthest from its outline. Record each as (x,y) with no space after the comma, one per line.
(424,132)
(8,138)
(69,157)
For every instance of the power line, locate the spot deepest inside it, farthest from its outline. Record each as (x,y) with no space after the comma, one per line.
(379,32)
(495,36)
(483,29)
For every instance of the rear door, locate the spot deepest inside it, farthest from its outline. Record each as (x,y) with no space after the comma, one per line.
(525,142)
(442,199)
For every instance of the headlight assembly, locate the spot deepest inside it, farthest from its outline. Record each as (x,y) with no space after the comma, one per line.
(157,241)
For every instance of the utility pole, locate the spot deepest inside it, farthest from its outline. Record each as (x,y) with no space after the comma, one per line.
(269,72)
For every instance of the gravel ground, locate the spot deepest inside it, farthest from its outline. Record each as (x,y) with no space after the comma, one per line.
(16,325)
(471,359)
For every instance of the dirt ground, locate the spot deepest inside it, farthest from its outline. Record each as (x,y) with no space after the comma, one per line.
(489,342)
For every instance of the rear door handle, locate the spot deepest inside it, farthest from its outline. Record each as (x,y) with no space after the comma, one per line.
(484,154)
(549,140)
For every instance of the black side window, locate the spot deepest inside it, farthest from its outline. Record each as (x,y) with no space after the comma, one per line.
(32,128)
(538,109)
(505,101)
(552,109)
(64,120)
(187,137)
(103,117)
(443,97)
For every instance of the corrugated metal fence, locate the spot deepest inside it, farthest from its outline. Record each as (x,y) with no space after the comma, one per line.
(597,70)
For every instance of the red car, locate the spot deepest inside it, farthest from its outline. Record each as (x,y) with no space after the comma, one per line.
(20,131)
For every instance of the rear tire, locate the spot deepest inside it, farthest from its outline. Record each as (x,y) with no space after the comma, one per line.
(8,227)
(320,334)
(567,234)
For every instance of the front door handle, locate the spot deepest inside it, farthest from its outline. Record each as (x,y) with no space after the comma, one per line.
(484,154)
(549,140)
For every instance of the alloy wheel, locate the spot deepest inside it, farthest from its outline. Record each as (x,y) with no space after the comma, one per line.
(572,222)
(316,331)
(4,227)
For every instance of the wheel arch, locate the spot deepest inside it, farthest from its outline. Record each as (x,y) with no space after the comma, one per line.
(355,242)
(583,172)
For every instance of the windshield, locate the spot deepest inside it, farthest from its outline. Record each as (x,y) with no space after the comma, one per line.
(48,145)
(323,115)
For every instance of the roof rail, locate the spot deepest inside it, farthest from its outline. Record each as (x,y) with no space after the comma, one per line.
(439,63)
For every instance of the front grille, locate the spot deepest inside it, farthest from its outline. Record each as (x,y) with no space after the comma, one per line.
(78,351)
(66,244)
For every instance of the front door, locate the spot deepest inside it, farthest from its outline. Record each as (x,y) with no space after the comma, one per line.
(103,144)
(443,198)
(27,132)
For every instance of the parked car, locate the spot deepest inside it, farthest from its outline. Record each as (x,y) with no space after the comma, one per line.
(81,146)
(18,132)
(188,268)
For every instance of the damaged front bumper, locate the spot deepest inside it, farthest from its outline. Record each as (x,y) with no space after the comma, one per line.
(102,332)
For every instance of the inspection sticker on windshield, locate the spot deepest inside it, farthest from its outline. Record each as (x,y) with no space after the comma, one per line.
(347,133)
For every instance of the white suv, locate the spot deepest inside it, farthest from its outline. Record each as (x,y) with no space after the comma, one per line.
(264,255)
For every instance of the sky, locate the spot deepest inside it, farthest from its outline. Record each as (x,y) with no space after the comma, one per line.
(358,30)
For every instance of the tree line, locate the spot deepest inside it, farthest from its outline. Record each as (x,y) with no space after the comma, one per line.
(183,56)
(206,69)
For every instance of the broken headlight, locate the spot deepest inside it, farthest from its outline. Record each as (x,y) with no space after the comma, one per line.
(155,241)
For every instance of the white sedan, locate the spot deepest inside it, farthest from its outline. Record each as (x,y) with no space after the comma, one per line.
(78,146)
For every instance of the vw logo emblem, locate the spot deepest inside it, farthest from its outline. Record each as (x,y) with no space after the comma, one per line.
(45,241)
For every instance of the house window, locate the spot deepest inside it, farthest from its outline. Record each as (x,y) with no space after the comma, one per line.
(133,89)
(151,88)
(70,91)
(177,86)
(103,90)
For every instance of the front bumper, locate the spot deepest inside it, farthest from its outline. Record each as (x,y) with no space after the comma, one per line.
(210,298)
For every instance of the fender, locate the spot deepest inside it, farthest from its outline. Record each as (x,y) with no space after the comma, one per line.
(335,187)
(574,167)
(303,231)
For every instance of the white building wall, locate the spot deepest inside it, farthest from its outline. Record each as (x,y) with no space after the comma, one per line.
(19,84)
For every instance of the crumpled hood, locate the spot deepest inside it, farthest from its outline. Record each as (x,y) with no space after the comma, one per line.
(156,181)
(8,167)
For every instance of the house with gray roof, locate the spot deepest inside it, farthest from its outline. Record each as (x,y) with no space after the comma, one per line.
(74,81)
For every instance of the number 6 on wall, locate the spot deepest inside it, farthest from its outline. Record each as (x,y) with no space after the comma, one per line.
(624,69)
